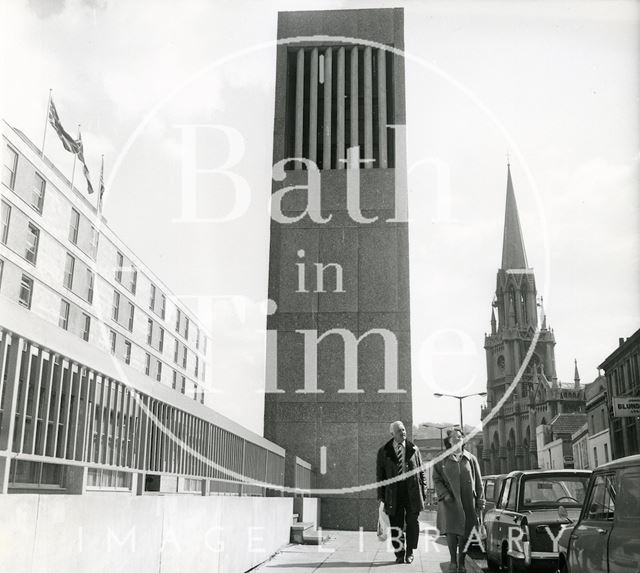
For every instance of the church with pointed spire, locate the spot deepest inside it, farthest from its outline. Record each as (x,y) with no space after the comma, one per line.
(509,433)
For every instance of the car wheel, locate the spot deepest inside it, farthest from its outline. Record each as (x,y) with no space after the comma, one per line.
(514,565)
(563,567)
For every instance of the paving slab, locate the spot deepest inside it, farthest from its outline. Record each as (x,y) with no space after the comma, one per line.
(358,552)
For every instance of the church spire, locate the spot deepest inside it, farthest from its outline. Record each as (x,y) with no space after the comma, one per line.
(543,313)
(576,375)
(513,254)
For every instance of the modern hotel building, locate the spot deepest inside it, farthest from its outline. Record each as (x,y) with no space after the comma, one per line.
(103,371)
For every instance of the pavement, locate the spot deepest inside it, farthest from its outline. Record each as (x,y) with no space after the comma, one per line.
(360,552)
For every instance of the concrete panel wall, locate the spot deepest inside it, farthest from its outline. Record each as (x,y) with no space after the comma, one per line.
(150,534)
(337,425)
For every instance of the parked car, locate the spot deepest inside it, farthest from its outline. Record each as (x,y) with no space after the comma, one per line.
(606,536)
(521,529)
(492,486)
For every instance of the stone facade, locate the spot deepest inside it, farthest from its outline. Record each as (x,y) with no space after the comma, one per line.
(622,373)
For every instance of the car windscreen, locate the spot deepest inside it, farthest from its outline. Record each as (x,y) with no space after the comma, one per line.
(553,491)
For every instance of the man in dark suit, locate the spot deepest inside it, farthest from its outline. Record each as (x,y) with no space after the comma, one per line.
(403,499)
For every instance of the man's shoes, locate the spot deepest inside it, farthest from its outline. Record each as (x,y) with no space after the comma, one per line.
(400,557)
(409,557)
(461,563)
(453,568)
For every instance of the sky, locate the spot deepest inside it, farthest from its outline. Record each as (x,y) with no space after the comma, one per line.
(553,86)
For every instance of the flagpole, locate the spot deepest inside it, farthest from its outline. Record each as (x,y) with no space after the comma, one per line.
(101,185)
(46,123)
(75,157)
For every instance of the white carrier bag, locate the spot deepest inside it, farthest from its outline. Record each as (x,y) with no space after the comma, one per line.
(383,523)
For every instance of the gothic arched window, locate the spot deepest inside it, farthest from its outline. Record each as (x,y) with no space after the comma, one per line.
(523,305)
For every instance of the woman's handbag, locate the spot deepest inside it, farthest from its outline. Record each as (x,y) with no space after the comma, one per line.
(383,523)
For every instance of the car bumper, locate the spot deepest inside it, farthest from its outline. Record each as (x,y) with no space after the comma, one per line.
(534,555)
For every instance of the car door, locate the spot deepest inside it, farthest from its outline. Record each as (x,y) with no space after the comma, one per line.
(489,493)
(624,542)
(494,523)
(510,516)
(589,541)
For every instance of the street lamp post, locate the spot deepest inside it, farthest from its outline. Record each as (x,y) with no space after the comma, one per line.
(460,399)
(441,428)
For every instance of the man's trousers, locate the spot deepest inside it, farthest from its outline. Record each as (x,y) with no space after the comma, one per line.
(404,523)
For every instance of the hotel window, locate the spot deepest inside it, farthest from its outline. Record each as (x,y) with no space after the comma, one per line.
(178,319)
(6,216)
(37,197)
(174,383)
(175,351)
(112,338)
(204,345)
(163,308)
(159,371)
(195,392)
(74,226)
(606,453)
(1,270)
(86,327)
(63,320)
(161,342)
(90,281)
(33,236)
(30,474)
(93,246)
(196,369)
(197,338)
(147,364)
(127,352)
(119,265)
(26,291)
(134,280)
(149,331)
(202,397)
(115,310)
(69,265)
(10,167)
(184,385)
(131,311)
(186,327)
(184,356)
(152,302)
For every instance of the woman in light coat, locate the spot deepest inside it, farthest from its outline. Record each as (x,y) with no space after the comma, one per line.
(460,494)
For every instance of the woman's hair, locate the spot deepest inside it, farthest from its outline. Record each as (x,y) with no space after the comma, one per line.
(447,440)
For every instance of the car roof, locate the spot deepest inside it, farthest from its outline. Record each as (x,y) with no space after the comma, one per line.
(620,462)
(494,476)
(549,472)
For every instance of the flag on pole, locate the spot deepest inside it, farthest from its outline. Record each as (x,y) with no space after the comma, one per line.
(85,169)
(101,190)
(68,142)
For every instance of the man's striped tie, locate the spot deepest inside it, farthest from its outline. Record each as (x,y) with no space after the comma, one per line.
(400,460)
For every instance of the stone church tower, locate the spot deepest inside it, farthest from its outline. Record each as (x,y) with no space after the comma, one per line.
(509,433)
